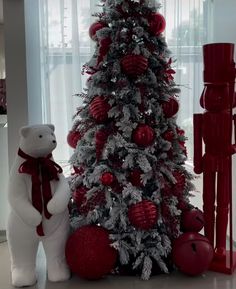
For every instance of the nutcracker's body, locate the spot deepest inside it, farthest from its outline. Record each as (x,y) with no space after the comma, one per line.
(214,127)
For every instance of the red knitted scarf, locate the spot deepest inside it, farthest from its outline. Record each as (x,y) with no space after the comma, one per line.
(42,171)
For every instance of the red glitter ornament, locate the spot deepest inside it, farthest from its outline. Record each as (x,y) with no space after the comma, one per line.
(170,107)
(99,109)
(143,135)
(134,65)
(143,215)
(192,253)
(157,23)
(89,253)
(135,178)
(73,137)
(192,220)
(107,179)
(94,28)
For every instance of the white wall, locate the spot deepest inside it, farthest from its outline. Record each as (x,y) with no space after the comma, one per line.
(2,53)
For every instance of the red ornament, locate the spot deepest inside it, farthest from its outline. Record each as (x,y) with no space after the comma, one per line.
(169,135)
(73,137)
(103,49)
(135,178)
(143,135)
(143,215)
(89,253)
(192,220)
(107,179)
(94,28)
(134,65)
(170,107)
(99,109)
(157,23)
(192,253)
(84,205)
(101,138)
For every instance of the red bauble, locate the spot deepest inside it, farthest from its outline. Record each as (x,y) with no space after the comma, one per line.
(107,179)
(94,28)
(143,135)
(192,253)
(73,137)
(192,220)
(157,23)
(84,205)
(135,178)
(134,65)
(170,107)
(89,254)
(143,215)
(99,109)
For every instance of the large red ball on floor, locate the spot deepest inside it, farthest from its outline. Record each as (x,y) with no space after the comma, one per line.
(94,28)
(157,23)
(192,220)
(73,137)
(89,254)
(192,253)
(134,65)
(143,135)
(143,215)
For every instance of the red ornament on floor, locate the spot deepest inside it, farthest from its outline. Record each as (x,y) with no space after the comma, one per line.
(89,254)
(170,107)
(143,135)
(99,109)
(73,137)
(134,65)
(192,253)
(94,28)
(143,215)
(192,220)
(157,23)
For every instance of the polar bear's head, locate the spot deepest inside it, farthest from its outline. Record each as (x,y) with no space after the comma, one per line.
(37,140)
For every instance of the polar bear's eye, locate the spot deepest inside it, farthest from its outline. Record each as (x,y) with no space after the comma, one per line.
(40,136)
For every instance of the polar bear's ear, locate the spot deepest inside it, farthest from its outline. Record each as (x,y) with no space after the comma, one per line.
(24,131)
(51,126)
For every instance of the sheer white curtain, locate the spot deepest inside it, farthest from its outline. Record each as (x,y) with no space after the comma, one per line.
(66,46)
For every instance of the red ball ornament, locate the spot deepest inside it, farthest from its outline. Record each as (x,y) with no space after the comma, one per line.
(135,178)
(94,28)
(143,215)
(107,179)
(192,220)
(89,253)
(157,23)
(73,137)
(99,109)
(192,253)
(170,107)
(134,65)
(143,135)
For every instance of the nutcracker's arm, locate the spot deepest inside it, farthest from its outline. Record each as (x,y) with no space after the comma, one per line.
(197,158)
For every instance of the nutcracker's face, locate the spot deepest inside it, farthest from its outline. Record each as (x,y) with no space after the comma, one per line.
(216,98)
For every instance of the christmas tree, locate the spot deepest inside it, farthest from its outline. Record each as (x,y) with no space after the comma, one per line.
(129,153)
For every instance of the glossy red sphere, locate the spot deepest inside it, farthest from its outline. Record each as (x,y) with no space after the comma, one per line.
(143,135)
(73,137)
(170,107)
(107,179)
(99,109)
(94,28)
(192,220)
(134,65)
(157,23)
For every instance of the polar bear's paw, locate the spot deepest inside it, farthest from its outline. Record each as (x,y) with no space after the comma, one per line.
(58,272)
(23,277)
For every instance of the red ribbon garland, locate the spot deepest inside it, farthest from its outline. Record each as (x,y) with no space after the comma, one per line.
(48,170)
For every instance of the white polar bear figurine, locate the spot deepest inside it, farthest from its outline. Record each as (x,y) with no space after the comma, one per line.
(35,215)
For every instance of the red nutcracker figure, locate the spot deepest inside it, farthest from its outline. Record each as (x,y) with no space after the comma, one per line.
(215,128)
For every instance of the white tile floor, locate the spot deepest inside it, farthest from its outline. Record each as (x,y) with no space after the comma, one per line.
(209,280)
